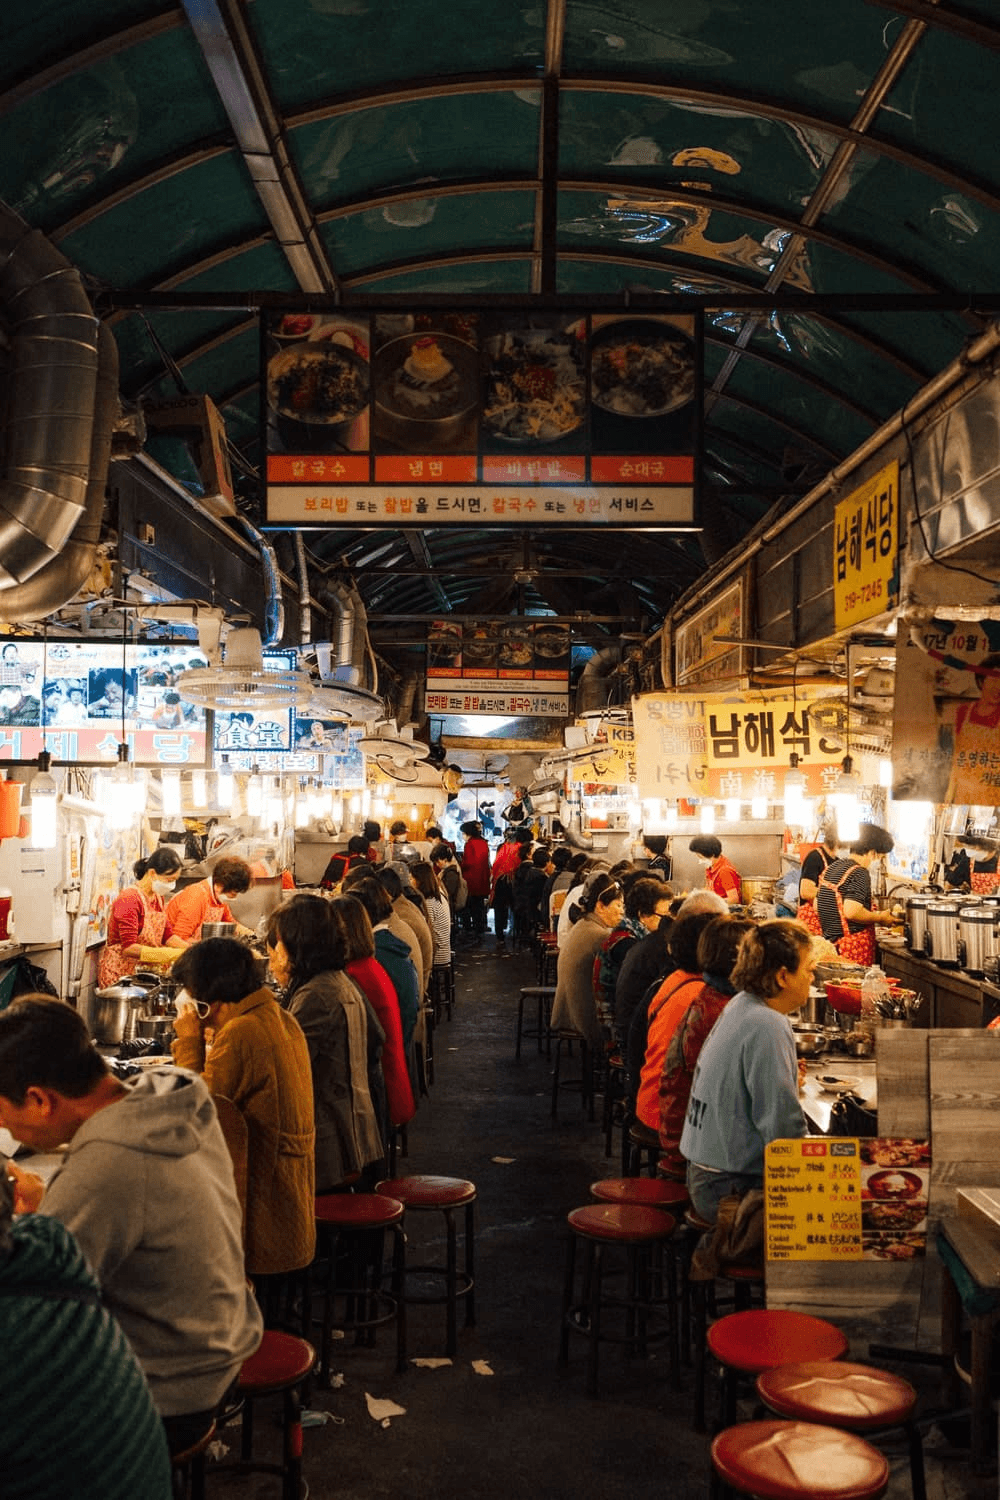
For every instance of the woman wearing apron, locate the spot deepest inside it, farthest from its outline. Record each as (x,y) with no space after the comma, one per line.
(138,917)
(844,898)
(208,901)
(813,866)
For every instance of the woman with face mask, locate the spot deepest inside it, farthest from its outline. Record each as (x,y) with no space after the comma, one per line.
(138,915)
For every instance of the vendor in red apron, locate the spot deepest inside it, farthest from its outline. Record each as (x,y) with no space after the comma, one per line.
(814,864)
(720,876)
(844,897)
(138,918)
(208,901)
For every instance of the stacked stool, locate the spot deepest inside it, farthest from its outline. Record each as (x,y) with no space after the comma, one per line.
(444,1195)
(354,1219)
(854,1398)
(798,1461)
(640,1232)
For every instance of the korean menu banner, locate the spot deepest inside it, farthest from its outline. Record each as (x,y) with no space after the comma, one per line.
(510,416)
(515,668)
(79,699)
(946,740)
(846,1199)
(730,745)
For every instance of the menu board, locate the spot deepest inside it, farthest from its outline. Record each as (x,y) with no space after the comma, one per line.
(846,1199)
(77,699)
(517,668)
(495,417)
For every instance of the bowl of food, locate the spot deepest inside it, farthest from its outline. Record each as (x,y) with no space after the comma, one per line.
(641,367)
(516,649)
(444,646)
(535,388)
(809,1041)
(830,1083)
(316,391)
(426,388)
(894,1184)
(551,642)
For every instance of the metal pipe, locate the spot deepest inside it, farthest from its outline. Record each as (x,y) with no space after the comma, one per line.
(305,598)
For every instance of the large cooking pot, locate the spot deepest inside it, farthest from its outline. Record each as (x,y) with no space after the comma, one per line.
(218,929)
(941,936)
(915,929)
(977,937)
(113,1012)
(757,888)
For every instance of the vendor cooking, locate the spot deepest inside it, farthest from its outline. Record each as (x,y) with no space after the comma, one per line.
(138,918)
(844,897)
(207,901)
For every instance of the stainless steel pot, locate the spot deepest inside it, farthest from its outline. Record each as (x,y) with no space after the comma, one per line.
(977,937)
(915,929)
(941,937)
(757,888)
(218,929)
(114,1008)
(809,1041)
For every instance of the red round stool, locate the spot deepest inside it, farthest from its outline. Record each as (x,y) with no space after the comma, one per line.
(798,1461)
(280,1365)
(641,1192)
(444,1195)
(355,1218)
(640,1231)
(748,1343)
(857,1398)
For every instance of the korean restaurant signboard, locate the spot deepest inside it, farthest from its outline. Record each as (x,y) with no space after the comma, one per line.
(502,417)
(866,549)
(699,655)
(844,1198)
(946,719)
(722,745)
(521,668)
(612,759)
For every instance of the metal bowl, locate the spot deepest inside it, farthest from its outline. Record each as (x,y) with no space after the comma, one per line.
(425,434)
(809,1041)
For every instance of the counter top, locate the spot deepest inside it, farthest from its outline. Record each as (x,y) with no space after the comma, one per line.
(817,1104)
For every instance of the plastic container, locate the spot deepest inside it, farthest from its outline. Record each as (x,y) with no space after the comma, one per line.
(874,989)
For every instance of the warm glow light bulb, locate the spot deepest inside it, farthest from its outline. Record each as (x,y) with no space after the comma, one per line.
(170,791)
(44,804)
(707,817)
(224,786)
(199,789)
(732,810)
(671,817)
(758,807)
(255,796)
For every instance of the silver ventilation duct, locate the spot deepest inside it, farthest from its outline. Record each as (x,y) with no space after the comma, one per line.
(347,646)
(592,688)
(49,430)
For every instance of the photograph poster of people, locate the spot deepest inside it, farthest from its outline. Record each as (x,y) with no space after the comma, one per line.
(947,714)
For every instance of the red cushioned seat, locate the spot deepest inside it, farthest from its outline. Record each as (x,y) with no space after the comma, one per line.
(428,1192)
(857,1397)
(281,1360)
(799,1461)
(622,1222)
(358,1210)
(650,1192)
(758,1340)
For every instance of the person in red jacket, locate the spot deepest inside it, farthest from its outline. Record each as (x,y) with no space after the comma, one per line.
(502,891)
(476,870)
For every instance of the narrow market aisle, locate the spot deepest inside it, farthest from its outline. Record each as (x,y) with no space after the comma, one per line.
(526,1429)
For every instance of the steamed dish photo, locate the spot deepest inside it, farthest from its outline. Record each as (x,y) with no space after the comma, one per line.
(426,384)
(318,383)
(535,386)
(641,370)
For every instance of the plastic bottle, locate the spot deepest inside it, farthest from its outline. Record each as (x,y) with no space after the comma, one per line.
(874,989)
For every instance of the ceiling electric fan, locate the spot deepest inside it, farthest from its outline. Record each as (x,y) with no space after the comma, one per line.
(240,680)
(394,751)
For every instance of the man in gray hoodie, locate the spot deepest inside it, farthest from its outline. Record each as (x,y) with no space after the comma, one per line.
(147,1188)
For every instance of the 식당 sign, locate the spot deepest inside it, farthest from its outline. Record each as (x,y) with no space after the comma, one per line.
(866,549)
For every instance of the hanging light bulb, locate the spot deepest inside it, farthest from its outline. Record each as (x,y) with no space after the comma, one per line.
(302,807)
(913,821)
(44,802)
(334,806)
(731,810)
(885,772)
(758,807)
(355,804)
(366,801)
(170,791)
(414,813)
(707,817)
(121,808)
(274,803)
(846,798)
(794,791)
(199,789)
(225,788)
(671,817)
(255,794)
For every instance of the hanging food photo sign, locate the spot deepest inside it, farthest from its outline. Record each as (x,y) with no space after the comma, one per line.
(501,417)
(730,745)
(489,667)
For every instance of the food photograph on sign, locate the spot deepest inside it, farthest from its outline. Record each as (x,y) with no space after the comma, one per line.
(318,383)
(643,379)
(535,384)
(895,1180)
(426,378)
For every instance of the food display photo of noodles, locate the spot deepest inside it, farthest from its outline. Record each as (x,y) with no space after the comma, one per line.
(643,378)
(535,387)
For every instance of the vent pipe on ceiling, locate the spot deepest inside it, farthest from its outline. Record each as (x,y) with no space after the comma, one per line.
(61,578)
(592,688)
(348,649)
(53,381)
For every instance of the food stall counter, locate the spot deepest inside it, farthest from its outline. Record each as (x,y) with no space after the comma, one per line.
(828,1079)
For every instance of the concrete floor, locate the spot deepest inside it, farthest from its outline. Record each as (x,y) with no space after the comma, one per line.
(527,1429)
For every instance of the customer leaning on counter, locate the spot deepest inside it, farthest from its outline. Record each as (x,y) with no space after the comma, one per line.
(207,901)
(844,898)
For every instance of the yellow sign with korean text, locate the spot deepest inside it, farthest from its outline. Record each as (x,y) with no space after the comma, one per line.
(812,1200)
(866,549)
(730,744)
(612,762)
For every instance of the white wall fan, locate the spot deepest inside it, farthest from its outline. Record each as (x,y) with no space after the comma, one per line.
(394,751)
(240,681)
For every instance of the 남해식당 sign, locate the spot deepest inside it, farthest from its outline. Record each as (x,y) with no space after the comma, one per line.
(866,549)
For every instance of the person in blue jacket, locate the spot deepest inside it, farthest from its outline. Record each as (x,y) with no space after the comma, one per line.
(745,1091)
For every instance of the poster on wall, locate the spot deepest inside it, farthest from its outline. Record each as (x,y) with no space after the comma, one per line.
(732,745)
(946,734)
(492,416)
(700,655)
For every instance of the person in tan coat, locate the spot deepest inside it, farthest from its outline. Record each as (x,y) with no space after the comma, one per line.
(258,1058)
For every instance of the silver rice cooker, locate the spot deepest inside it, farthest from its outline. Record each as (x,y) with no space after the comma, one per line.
(978,937)
(915,928)
(941,935)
